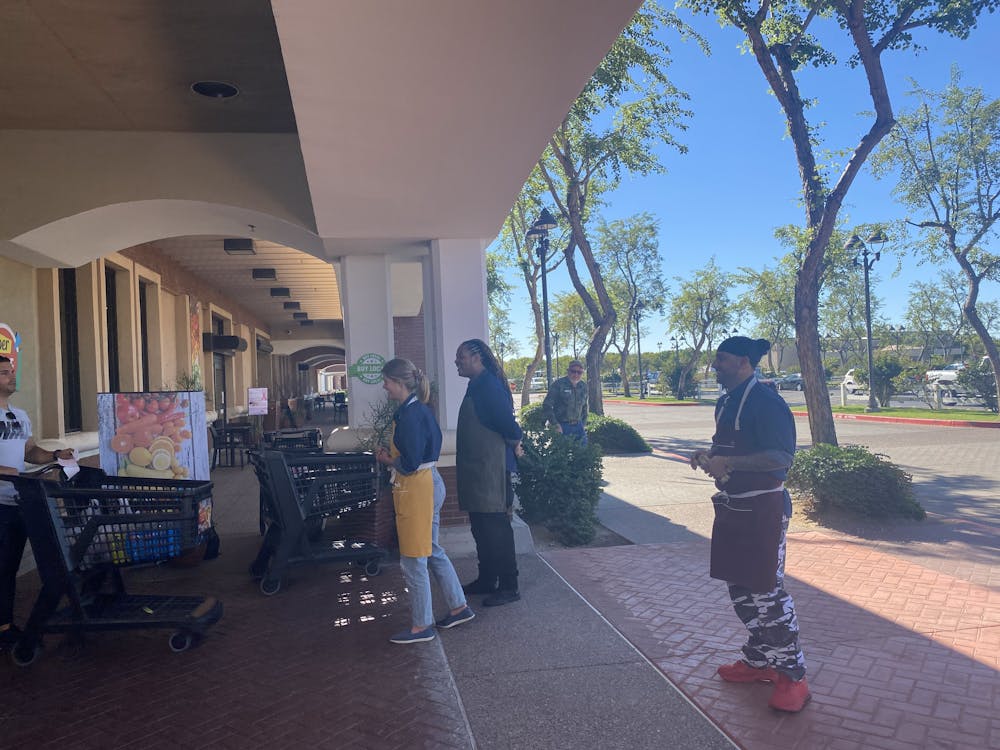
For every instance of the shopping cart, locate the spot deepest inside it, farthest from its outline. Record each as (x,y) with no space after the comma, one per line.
(295,440)
(84,531)
(317,508)
(305,439)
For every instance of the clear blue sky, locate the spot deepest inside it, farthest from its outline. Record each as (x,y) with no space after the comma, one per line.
(739,179)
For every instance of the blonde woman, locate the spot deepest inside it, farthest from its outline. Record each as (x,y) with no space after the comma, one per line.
(417,494)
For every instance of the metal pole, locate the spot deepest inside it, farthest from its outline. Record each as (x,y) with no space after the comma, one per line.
(543,254)
(872,405)
(638,351)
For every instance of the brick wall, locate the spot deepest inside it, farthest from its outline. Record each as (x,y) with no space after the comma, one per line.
(408,339)
(450,513)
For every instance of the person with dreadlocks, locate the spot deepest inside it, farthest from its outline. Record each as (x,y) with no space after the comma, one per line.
(487,441)
(751,453)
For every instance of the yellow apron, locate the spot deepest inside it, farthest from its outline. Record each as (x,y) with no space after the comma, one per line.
(413,499)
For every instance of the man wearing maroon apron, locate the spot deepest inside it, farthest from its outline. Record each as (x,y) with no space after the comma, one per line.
(751,452)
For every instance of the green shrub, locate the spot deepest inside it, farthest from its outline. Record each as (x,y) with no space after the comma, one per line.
(979,381)
(612,435)
(672,379)
(852,478)
(559,484)
(615,436)
(532,418)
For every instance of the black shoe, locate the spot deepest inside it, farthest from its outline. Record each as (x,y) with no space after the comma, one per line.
(479,586)
(501,597)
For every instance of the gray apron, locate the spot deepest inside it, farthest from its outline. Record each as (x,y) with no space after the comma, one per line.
(481,464)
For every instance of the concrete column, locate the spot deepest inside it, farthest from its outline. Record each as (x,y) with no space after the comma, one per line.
(365,289)
(91,332)
(50,378)
(455,308)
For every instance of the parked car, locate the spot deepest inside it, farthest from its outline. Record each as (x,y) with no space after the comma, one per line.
(766,380)
(946,375)
(850,383)
(791,382)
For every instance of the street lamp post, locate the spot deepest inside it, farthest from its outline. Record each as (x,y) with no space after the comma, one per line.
(638,348)
(898,331)
(677,350)
(540,230)
(866,258)
(555,350)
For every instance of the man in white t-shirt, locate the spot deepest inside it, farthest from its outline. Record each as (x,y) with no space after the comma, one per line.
(16,446)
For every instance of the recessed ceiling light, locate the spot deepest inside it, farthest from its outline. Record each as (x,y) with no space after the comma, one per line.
(292,305)
(215,89)
(280,291)
(264,273)
(238,246)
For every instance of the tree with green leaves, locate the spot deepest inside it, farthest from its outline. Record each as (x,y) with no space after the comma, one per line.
(770,299)
(784,39)
(934,313)
(569,318)
(947,154)
(627,109)
(524,255)
(629,250)
(699,312)
(498,291)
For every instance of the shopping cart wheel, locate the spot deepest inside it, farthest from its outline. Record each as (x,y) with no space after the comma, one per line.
(181,641)
(25,653)
(373,567)
(270,586)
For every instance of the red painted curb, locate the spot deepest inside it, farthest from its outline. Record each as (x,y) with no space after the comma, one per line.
(633,402)
(909,420)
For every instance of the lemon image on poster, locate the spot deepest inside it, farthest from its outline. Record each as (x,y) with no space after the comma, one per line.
(368,368)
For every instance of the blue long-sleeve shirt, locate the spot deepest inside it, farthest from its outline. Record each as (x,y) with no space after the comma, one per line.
(495,410)
(417,436)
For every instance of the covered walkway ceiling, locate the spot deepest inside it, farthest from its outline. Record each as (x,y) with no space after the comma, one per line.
(359,126)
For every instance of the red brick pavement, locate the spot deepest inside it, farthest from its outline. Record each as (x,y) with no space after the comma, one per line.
(900,656)
(309,667)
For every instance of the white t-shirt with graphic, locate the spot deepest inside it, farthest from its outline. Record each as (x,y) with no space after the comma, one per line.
(14,433)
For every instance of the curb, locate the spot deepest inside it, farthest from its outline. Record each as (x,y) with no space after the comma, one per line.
(910,420)
(634,402)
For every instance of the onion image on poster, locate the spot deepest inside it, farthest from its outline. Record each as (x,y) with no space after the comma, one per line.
(154,435)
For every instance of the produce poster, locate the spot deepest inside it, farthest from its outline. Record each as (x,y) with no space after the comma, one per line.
(157,435)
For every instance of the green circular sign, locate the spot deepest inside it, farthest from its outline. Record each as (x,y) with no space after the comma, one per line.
(368,368)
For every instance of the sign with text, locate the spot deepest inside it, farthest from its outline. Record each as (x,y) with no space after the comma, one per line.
(368,368)
(257,401)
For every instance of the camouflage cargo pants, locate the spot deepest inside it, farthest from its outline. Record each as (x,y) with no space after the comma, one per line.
(770,619)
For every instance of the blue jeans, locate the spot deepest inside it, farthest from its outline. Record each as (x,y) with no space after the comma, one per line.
(575,429)
(415,570)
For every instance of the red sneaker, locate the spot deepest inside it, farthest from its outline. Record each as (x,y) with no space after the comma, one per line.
(742,672)
(789,695)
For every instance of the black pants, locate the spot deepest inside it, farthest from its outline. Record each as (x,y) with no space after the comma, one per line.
(13,535)
(495,544)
